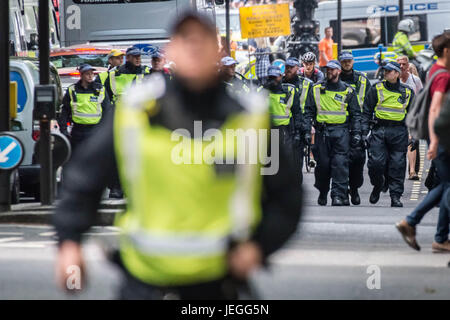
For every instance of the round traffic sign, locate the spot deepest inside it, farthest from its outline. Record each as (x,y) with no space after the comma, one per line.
(61,149)
(11,151)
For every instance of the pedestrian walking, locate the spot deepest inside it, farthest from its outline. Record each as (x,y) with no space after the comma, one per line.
(414,82)
(387,104)
(115,60)
(121,78)
(303,88)
(192,230)
(84,105)
(436,152)
(326,48)
(361,85)
(334,111)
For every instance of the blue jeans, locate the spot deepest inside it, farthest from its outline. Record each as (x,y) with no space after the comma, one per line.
(434,197)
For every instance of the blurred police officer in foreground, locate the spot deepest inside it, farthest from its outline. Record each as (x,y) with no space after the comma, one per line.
(191,230)
(286,114)
(230,77)
(115,60)
(122,77)
(84,105)
(361,85)
(387,103)
(334,110)
(303,88)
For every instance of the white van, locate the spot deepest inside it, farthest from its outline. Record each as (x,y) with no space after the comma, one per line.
(365,25)
(25,71)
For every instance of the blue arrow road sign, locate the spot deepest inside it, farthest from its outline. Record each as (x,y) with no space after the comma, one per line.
(11,152)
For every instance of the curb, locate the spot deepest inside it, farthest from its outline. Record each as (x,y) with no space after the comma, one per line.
(35,214)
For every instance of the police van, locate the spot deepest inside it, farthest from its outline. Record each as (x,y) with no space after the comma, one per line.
(366,25)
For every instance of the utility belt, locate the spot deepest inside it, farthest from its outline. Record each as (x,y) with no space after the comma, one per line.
(83,127)
(387,123)
(321,126)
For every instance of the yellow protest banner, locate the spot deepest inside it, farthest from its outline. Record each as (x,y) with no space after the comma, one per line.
(270,20)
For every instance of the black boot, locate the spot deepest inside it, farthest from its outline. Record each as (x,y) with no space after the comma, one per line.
(375,195)
(116,194)
(322,200)
(356,200)
(337,202)
(395,202)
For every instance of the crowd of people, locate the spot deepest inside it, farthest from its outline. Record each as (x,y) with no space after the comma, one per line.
(181,236)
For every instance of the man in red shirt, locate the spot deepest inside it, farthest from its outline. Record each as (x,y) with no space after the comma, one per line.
(441,159)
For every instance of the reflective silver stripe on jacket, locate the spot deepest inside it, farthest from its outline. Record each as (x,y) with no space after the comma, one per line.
(177,243)
(303,95)
(113,83)
(326,112)
(381,100)
(362,89)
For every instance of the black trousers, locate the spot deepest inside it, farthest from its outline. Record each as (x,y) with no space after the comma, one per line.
(356,168)
(294,148)
(387,153)
(134,289)
(331,152)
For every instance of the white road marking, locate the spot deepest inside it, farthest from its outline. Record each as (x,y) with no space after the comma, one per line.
(47,234)
(3,240)
(11,233)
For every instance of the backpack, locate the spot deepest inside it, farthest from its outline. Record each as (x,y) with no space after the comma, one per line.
(442,124)
(417,117)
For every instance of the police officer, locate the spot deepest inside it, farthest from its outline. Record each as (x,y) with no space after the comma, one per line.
(131,72)
(387,103)
(286,115)
(158,63)
(309,69)
(361,85)
(115,60)
(401,44)
(191,230)
(84,105)
(334,110)
(230,77)
(303,88)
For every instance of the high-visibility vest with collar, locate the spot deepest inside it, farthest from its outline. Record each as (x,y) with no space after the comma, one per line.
(331,105)
(104,75)
(280,105)
(361,92)
(402,45)
(391,105)
(180,216)
(305,86)
(86,107)
(119,82)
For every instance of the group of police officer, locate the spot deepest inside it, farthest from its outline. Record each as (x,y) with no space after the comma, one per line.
(86,101)
(346,115)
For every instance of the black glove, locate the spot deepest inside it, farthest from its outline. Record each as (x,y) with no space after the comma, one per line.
(307,139)
(356,141)
(365,142)
(414,144)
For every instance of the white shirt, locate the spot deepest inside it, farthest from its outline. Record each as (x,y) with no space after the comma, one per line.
(414,83)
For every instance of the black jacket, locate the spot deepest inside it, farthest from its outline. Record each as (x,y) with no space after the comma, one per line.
(66,110)
(354,111)
(372,99)
(90,171)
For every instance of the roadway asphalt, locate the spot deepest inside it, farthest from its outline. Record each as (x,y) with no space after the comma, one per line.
(332,255)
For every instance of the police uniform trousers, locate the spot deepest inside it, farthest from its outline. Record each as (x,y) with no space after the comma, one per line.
(356,167)
(331,152)
(388,146)
(294,148)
